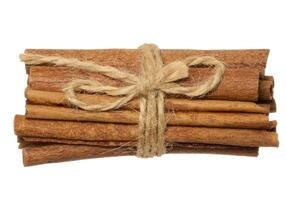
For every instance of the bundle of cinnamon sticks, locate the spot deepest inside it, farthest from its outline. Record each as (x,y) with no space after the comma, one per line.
(233,119)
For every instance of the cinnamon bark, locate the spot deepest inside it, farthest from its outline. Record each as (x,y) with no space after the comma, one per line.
(237,84)
(266,86)
(131,58)
(121,132)
(204,119)
(177,104)
(60,153)
(24,144)
(272,105)
(33,141)
(45,140)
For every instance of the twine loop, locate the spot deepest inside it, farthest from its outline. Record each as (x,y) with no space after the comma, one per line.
(154,81)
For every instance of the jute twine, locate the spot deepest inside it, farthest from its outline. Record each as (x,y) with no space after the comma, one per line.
(151,85)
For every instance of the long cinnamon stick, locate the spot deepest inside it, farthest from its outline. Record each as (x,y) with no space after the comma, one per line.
(121,132)
(204,119)
(131,58)
(29,141)
(177,104)
(237,84)
(46,140)
(59,153)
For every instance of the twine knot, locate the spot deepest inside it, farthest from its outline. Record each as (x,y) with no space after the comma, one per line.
(154,81)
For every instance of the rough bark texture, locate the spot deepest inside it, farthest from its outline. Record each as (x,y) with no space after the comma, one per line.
(46,140)
(204,119)
(232,119)
(59,153)
(120,132)
(237,84)
(131,58)
(266,86)
(39,97)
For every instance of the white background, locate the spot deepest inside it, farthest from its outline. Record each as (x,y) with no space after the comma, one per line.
(121,23)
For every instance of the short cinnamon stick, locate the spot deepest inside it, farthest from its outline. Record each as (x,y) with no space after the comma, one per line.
(273,106)
(121,132)
(266,86)
(59,153)
(177,104)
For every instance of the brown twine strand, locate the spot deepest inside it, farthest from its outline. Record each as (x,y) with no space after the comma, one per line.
(155,80)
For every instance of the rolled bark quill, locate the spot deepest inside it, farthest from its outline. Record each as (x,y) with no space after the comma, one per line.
(59,153)
(237,84)
(240,81)
(115,144)
(39,97)
(266,88)
(232,118)
(131,58)
(121,132)
(206,119)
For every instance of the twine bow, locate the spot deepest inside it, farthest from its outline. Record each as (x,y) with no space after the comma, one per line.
(155,80)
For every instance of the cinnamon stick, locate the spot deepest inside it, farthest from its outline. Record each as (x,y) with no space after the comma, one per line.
(273,106)
(33,141)
(266,86)
(131,58)
(237,84)
(59,153)
(205,119)
(177,104)
(45,140)
(121,132)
